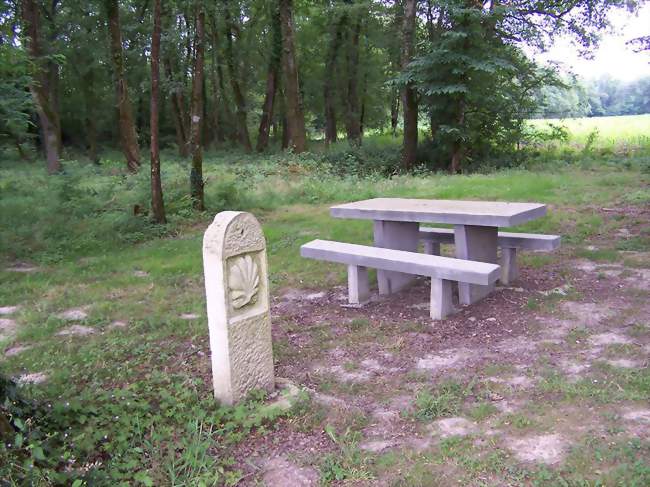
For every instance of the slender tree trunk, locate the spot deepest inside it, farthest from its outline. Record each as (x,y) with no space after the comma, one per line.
(41,88)
(329,82)
(267,110)
(409,96)
(196,175)
(88,90)
(271,79)
(128,133)
(295,115)
(157,202)
(238,94)
(457,147)
(394,113)
(353,118)
(178,112)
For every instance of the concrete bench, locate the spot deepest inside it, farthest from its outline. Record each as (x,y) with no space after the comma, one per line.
(508,241)
(441,270)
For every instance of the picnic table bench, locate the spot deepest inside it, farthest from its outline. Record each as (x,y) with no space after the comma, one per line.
(397,234)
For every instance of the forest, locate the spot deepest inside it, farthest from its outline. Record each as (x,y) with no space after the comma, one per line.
(85,76)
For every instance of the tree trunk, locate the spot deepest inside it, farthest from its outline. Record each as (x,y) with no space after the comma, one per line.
(178,112)
(196,125)
(409,96)
(41,88)
(238,94)
(329,83)
(88,90)
(353,122)
(457,147)
(267,110)
(295,115)
(128,134)
(157,202)
(394,113)
(271,80)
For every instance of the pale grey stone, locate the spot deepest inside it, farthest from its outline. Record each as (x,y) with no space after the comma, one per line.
(8,310)
(74,314)
(78,330)
(190,316)
(399,236)
(237,294)
(15,350)
(33,378)
(522,241)
(486,213)
(475,243)
(548,449)
(7,328)
(454,427)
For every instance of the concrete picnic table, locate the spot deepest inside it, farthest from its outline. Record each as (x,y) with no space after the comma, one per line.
(476,225)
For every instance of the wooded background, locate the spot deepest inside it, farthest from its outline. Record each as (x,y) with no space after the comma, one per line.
(252,73)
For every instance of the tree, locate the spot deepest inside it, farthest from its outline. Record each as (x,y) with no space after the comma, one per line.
(295,115)
(128,133)
(157,202)
(409,95)
(43,85)
(329,80)
(272,78)
(353,112)
(196,121)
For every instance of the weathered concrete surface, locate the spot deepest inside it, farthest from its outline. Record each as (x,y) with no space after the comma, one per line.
(488,213)
(237,294)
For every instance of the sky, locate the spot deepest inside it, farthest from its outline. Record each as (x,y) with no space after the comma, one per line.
(613,57)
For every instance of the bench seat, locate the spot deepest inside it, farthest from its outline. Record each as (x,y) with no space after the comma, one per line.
(509,242)
(441,270)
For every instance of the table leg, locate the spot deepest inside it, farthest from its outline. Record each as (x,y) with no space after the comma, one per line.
(399,236)
(475,243)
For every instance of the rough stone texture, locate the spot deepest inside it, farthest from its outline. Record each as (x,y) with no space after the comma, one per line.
(376,446)
(33,378)
(7,328)
(189,316)
(237,293)
(73,314)
(8,310)
(548,449)
(15,350)
(78,330)
(279,472)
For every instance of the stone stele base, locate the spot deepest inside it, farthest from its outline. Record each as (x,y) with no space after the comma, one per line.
(237,295)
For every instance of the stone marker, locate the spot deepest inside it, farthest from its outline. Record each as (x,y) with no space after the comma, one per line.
(237,294)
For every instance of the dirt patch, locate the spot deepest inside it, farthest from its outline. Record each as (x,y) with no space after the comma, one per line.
(454,427)
(548,449)
(516,382)
(140,273)
(118,324)
(76,330)
(281,472)
(608,338)
(588,314)
(74,314)
(446,359)
(623,363)
(376,446)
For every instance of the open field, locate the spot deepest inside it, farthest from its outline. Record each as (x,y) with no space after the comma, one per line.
(631,131)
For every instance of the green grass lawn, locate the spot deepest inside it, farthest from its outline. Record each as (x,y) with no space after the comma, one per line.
(130,405)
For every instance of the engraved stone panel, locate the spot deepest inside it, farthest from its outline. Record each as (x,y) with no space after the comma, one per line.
(236,285)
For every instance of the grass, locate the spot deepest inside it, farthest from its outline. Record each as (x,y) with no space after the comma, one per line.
(133,405)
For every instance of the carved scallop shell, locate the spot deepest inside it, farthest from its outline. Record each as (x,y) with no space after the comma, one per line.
(244,281)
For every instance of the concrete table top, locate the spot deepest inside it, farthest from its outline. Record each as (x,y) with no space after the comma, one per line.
(479,213)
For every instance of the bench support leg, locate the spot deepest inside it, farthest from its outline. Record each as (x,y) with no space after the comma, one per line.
(509,269)
(480,244)
(431,247)
(441,299)
(398,236)
(358,285)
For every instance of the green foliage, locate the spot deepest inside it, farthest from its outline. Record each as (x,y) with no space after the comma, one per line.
(444,401)
(162,430)
(16,102)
